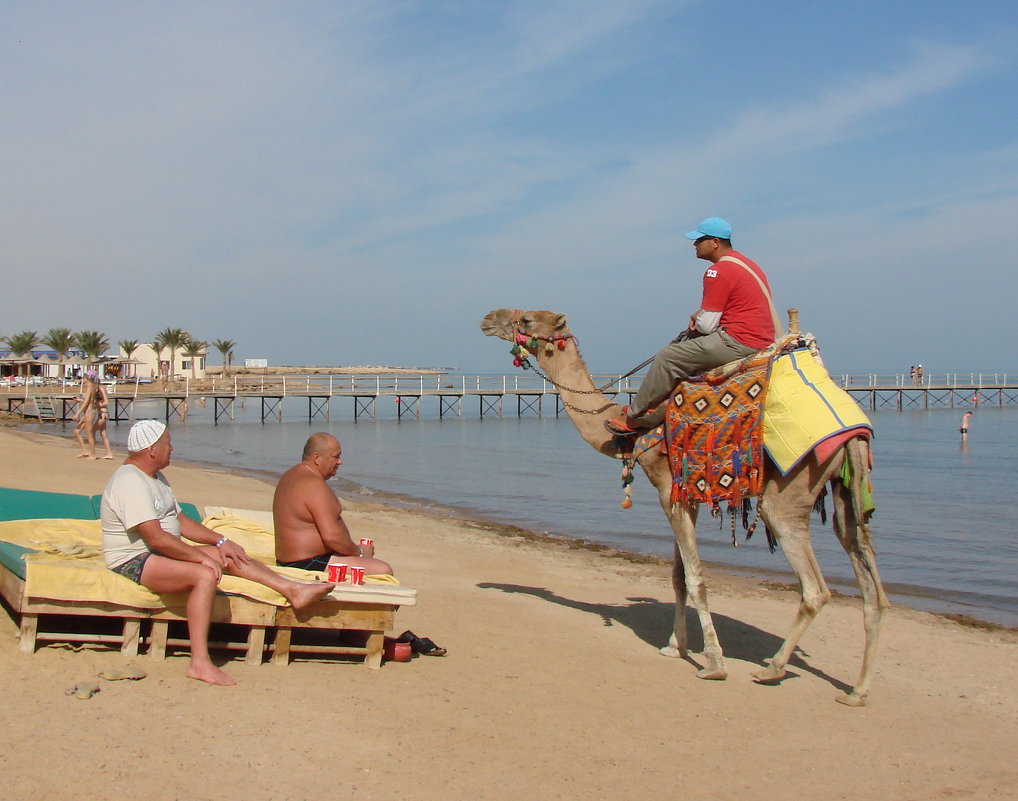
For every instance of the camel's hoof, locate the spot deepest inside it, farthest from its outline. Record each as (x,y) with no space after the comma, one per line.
(672,652)
(769,675)
(851,699)
(712,674)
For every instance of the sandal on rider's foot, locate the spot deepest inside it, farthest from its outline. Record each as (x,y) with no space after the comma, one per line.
(619,426)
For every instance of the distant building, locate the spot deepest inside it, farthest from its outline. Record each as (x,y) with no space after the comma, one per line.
(42,362)
(150,366)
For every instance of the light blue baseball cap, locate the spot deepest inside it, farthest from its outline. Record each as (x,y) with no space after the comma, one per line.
(712,226)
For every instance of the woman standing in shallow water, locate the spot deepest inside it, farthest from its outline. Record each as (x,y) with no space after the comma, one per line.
(102,416)
(92,416)
(83,416)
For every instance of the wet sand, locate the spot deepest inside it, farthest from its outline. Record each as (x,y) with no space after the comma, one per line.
(553,687)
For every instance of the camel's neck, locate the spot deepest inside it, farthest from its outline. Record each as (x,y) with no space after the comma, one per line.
(586,407)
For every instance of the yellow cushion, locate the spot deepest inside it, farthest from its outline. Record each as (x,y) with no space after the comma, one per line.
(804,407)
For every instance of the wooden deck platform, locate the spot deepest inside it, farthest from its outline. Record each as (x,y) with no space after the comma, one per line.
(522,395)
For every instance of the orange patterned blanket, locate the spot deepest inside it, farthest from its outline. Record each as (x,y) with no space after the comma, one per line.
(714,436)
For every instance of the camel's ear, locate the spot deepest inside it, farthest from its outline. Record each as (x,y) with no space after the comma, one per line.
(560,322)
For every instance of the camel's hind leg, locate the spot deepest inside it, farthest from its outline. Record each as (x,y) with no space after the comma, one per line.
(678,641)
(854,534)
(683,520)
(790,524)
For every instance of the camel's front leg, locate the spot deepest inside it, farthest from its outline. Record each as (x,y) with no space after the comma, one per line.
(683,522)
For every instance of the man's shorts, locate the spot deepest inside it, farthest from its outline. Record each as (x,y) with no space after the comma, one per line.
(132,567)
(315,563)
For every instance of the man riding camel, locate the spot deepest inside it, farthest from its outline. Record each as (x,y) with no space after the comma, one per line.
(736,319)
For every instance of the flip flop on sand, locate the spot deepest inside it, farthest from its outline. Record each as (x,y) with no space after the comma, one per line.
(421,645)
(83,690)
(128,672)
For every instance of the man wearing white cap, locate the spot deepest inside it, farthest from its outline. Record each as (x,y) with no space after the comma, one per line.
(143,540)
(736,318)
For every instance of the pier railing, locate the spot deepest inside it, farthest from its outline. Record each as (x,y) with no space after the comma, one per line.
(526,390)
(365,385)
(377,385)
(929,381)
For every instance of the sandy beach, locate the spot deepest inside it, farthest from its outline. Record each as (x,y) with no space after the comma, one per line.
(552,689)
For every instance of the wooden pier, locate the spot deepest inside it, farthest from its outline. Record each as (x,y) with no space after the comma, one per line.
(522,395)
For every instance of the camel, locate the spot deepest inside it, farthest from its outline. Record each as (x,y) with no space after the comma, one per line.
(786,505)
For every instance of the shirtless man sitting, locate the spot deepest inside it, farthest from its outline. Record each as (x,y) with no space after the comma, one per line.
(308,517)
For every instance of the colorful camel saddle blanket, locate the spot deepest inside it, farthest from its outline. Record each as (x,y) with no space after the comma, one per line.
(718,426)
(714,436)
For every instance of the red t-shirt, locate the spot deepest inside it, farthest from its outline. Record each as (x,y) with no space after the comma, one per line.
(745,312)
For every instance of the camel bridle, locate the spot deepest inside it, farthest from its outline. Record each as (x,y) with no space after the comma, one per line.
(526,342)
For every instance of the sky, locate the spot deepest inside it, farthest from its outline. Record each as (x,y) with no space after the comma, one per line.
(358,183)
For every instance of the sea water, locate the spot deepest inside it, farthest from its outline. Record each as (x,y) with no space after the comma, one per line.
(945,528)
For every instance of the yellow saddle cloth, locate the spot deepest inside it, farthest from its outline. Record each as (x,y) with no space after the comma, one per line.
(804,407)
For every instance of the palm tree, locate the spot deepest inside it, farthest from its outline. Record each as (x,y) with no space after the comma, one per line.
(158,343)
(173,339)
(129,346)
(193,349)
(61,340)
(21,344)
(93,344)
(225,346)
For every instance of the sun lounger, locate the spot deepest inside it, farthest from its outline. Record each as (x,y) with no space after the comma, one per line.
(369,608)
(18,504)
(52,567)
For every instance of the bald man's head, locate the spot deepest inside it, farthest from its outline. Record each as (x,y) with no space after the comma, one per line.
(319,442)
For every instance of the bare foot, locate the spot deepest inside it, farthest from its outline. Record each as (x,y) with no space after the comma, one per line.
(306,594)
(82,455)
(210,674)
(108,457)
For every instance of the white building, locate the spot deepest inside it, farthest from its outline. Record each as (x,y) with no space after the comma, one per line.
(151,366)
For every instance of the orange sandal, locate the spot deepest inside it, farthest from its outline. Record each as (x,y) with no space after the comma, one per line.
(619,426)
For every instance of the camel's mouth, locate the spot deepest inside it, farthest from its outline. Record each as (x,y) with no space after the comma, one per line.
(492,325)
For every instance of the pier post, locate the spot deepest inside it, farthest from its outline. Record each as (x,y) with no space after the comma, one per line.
(318,406)
(272,404)
(222,405)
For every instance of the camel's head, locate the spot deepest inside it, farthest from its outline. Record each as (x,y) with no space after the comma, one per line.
(527,330)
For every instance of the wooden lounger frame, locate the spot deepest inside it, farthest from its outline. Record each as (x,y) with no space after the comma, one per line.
(373,618)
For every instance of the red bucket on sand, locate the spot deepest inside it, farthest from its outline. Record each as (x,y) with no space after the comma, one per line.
(394,651)
(337,573)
